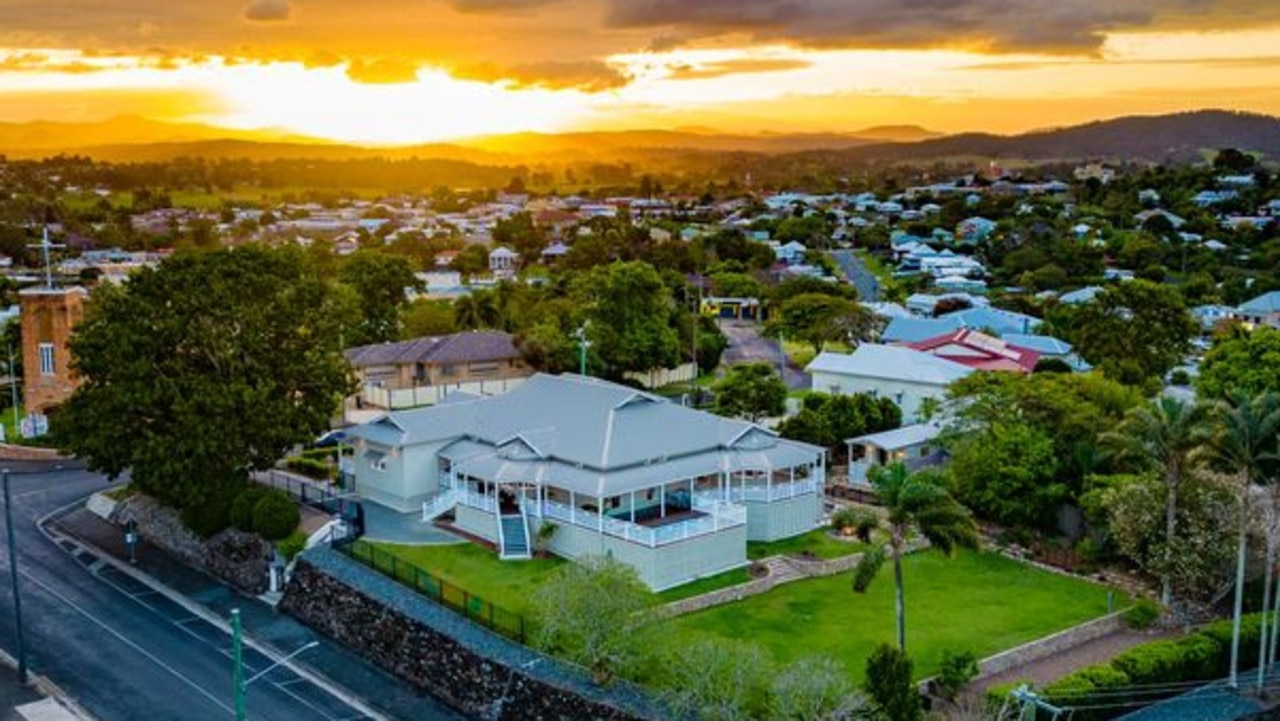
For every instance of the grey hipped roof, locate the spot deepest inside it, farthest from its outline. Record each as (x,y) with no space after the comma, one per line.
(587,435)
(470,347)
(899,438)
(888,362)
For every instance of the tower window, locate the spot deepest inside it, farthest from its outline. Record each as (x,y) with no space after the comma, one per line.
(47,367)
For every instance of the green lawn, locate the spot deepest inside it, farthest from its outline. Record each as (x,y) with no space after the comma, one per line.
(819,542)
(802,353)
(976,601)
(510,583)
(507,584)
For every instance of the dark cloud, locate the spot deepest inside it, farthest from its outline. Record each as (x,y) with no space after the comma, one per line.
(499,6)
(267,10)
(1062,26)
(736,66)
(587,75)
(382,71)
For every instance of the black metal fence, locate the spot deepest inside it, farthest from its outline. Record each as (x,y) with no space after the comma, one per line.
(309,492)
(459,600)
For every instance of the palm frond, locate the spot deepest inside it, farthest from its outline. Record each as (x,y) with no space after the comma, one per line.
(868,566)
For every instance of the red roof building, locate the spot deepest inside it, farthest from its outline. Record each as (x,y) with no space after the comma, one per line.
(979,351)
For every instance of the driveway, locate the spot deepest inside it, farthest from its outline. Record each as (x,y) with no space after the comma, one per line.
(746,345)
(856,271)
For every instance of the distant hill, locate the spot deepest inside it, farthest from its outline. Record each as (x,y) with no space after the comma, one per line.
(41,138)
(1182,136)
(1177,137)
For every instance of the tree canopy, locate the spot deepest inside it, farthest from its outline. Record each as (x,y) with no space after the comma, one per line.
(1247,361)
(752,391)
(200,370)
(379,281)
(1133,331)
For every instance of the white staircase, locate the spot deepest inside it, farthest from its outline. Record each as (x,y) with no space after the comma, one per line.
(439,504)
(513,538)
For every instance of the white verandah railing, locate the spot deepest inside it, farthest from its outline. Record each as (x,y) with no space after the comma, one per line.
(762,492)
(718,517)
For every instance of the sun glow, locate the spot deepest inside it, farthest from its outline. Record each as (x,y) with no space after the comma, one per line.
(324,102)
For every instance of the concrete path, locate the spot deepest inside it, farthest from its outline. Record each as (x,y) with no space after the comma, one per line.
(1054,667)
(384,524)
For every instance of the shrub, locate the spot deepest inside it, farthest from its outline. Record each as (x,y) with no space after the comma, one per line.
(844,518)
(242,507)
(1180,378)
(308,467)
(889,684)
(1142,614)
(275,515)
(957,669)
(212,515)
(292,545)
(1086,687)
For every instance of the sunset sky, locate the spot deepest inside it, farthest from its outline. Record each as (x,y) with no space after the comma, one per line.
(396,71)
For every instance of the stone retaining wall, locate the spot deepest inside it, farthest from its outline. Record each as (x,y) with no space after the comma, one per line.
(1049,645)
(241,559)
(436,651)
(12,452)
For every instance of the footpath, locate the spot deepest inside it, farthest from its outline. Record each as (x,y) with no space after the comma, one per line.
(36,700)
(273,633)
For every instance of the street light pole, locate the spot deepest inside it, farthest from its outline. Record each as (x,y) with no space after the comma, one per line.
(237,663)
(13,577)
(13,391)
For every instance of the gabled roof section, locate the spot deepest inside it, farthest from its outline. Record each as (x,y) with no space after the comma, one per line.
(888,362)
(979,351)
(469,347)
(1265,303)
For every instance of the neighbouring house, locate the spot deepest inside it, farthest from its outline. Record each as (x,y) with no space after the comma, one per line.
(902,374)
(994,319)
(915,446)
(1211,315)
(979,351)
(1081,295)
(673,492)
(502,262)
(1048,347)
(423,370)
(1263,310)
(911,329)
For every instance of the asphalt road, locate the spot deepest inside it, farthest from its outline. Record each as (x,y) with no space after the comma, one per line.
(746,345)
(867,284)
(119,648)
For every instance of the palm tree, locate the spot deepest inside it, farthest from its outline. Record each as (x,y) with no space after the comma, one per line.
(919,503)
(477,310)
(1166,435)
(1245,443)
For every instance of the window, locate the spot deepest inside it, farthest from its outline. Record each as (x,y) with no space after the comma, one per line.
(448,370)
(47,367)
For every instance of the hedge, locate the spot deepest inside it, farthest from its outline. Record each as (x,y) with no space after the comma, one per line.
(1204,655)
(308,467)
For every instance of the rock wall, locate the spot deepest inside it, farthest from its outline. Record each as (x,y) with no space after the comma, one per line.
(241,559)
(438,652)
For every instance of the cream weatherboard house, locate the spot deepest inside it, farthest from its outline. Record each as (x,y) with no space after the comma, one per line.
(673,492)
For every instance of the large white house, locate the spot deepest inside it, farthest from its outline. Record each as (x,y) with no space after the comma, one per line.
(904,375)
(676,493)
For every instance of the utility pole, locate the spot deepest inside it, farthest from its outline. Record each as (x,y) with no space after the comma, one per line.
(583,345)
(237,674)
(45,246)
(13,391)
(13,577)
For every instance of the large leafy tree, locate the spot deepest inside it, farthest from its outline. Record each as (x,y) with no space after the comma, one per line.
(817,319)
(1134,331)
(205,368)
(1165,436)
(917,503)
(379,281)
(1245,361)
(1006,474)
(628,307)
(752,391)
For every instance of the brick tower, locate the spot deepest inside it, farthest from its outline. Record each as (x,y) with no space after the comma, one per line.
(48,317)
